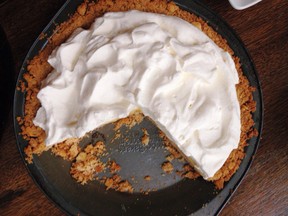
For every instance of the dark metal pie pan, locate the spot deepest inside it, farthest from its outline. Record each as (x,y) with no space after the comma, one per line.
(173,195)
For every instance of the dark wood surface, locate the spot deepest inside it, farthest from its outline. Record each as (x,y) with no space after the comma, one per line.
(263,29)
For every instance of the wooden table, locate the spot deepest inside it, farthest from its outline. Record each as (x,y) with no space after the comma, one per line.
(263,29)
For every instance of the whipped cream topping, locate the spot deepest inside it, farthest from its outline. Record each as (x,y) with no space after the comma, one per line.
(162,65)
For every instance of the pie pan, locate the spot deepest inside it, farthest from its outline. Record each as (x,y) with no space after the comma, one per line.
(170,194)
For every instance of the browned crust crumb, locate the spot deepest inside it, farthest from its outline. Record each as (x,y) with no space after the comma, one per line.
(22,86)
(167,167)
(97,150)
(68,149)
(115,182)
(125,186)
(117,135)
(145,138)
(147,178)
(42,36)
(188,172)
(169,146)
(169,158)
(88,163)
(82,9)
(147,191)
(134,118)
(114,167)
(38,68)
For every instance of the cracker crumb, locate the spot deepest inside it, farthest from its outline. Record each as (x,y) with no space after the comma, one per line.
(169,146)
(88,163)
(117,135)
(145,192)
(68,149)
(82,9)
(134,118)
(169,158)
(167,167)
(42,36)
(188,172)
(98,149)
(114,167)
(145,138)
(147,178)
(117,184)
(22,86)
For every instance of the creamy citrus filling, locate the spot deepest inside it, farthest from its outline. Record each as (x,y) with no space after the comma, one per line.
(162,65)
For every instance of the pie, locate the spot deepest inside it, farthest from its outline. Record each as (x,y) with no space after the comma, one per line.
(118,61)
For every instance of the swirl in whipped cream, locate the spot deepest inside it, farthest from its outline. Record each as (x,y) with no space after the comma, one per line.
(162,65)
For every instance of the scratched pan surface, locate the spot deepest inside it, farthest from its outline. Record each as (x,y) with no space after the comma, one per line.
(173,195)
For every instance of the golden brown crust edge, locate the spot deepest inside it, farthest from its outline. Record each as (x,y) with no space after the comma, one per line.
(38,68)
